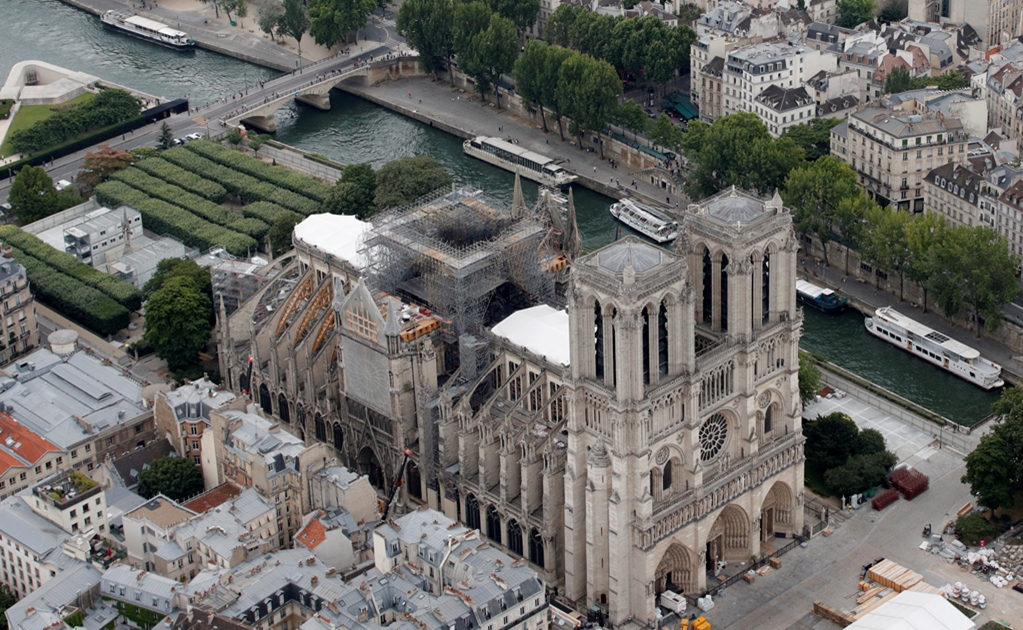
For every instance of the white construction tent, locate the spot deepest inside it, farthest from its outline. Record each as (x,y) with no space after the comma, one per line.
(910,610)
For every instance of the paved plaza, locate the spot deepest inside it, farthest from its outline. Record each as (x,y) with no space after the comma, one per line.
(909,444)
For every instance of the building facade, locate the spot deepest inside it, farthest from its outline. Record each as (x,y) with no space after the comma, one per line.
(183,414)
(18,330)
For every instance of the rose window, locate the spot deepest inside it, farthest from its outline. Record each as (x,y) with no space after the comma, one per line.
(713,434)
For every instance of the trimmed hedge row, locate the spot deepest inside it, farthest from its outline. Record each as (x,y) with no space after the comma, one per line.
(165,218)
(264,211)
(72,297)
(178,176)
(123,292)
(293,181)
(203,208)
(245,187)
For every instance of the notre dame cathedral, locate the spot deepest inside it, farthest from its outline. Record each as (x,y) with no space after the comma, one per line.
(623,420)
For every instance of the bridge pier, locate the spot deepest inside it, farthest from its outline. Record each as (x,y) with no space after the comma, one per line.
(262,123)
(319,101)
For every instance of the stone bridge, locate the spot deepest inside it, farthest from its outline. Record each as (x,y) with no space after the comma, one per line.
(316,92)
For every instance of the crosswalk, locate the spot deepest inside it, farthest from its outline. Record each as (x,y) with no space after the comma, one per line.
(201,120)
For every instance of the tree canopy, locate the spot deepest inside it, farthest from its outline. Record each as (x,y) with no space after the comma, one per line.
(281,230)
(491,52)
(588,90)
(899,80)
(852,13)
(825,199)
(813,137)
(332,21)
(100,164)
(7,599)
(809,379)
(994,470)
(179,268)
(737,150)
(33,195)
(522,13)
(536,74)
(428,26)
(850,460)
(177,478)
(362,180)
(294,22)
(406,179)
(177,322)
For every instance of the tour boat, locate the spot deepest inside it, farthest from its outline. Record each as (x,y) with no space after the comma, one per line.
(149,30)
(934,347)
(539,168)
(646,220)
(820,298)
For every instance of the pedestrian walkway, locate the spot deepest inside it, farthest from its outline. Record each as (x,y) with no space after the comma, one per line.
(908,443)
(872,298)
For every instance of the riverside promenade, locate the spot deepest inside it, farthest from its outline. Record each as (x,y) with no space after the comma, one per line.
(450,109)
(244,41)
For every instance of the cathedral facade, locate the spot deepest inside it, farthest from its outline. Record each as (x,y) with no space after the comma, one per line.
(624,445)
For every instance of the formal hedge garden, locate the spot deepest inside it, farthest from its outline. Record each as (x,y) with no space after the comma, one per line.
(199,206)
(109,107)
(291,180)
(246,188)
(123,292)
(166,218)
(264,211)
(158,167)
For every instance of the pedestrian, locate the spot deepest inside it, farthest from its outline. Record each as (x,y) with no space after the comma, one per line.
(122,137)
(594,169)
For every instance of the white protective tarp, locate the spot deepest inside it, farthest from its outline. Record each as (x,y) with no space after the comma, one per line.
(540,329)
(910,610)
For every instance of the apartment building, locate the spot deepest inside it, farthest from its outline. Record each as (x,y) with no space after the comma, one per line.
(72,501)
(18,330)
(752,69)
(31,547)
(84,406)
(954,192)
(173,541)
(253,452)
(781,108)
(25,456)
(143,589)
(994,21)
(1009,217)
(183,414)
(892,151)
(711,89)
(59,598)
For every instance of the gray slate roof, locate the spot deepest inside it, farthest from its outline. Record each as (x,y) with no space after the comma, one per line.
(32,531)
(54,593)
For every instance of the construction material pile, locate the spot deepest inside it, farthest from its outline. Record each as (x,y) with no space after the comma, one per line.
(910,482)
(884,499)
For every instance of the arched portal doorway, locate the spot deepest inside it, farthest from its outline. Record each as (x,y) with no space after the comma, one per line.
(729,537)
(675,571)
(776,512)
(369,465)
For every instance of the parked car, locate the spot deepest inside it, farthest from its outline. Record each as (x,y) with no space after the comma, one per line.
(61,184)
(178,142)
(193,136)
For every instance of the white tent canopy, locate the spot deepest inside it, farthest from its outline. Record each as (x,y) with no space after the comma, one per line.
(540,329)
(339,235)
(910,610)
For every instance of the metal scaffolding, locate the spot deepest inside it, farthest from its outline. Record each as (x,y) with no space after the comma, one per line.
(451,250)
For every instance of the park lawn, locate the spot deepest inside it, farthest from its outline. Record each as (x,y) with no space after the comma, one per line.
(29,115)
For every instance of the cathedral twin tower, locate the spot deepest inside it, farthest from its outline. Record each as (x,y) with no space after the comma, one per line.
(684,440)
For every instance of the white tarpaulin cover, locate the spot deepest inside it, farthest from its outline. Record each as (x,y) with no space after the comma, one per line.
(910,610)
(339,235)
(540,329)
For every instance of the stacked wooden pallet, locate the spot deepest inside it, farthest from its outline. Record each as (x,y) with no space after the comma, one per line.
(894,576)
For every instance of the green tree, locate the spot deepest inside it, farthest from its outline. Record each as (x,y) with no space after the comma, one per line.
(737,150)
(559,25)
(166,138)
(177,322)
(492,53)
(180,268)
(143,153)
(898,81)
(870,441)
(295,21)
(974,528)
(343,199)
(809,379)
(830,440)
(953,80)
(280,233)
(33,196)
(667,134)
(364,178)
(536,74)
(661,63)
(974,271)
(471,19)
(859,473)
(894,12)
(332,21)
(177,478)
(590,89)
(852,13)
(682,39)
(256,143)
(7,599)
(100,164)
(923,232)
(522,13)
(813,137)
(235,137)
(406,179)
(631,116)
(427,25)
(989,474)
(269,15)
(886,242)
(822,195)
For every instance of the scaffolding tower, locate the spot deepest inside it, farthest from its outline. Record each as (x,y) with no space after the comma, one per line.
(451,250)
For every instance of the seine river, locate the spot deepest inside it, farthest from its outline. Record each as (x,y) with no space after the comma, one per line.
(355,130)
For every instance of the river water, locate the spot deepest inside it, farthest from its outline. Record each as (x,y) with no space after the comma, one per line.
(355,130)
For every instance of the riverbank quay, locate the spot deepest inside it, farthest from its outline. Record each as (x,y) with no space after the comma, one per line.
(219,36)
(450,109)
(866,299)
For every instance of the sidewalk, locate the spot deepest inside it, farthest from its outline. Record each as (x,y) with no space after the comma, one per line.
(439,102)
(867,296)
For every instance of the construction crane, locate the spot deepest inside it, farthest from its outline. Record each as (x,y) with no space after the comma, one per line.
(399,480)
